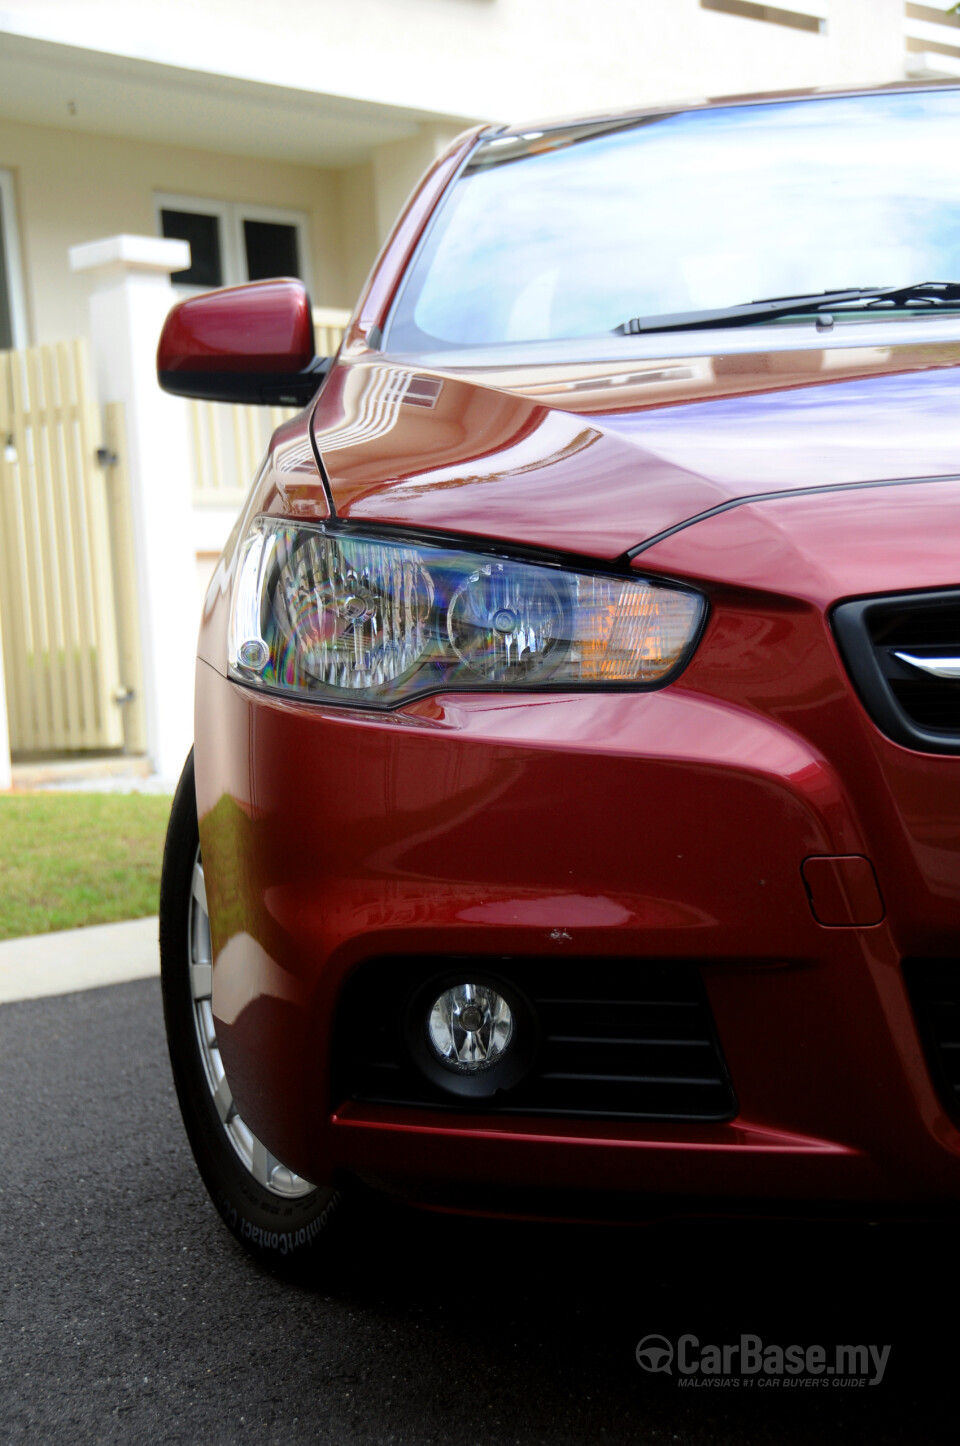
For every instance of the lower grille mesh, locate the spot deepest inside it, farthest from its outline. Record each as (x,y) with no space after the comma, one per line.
(621,1040)
(934,986)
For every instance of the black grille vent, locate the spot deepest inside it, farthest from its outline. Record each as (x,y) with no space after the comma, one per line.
(931,702)
(934,986)
(877,636)
(627,1040)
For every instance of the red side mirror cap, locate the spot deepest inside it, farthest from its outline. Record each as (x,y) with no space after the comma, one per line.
(250,343)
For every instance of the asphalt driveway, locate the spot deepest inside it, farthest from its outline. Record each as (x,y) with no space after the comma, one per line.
(127,1314)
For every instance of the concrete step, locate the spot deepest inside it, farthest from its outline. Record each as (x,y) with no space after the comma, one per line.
(73,959)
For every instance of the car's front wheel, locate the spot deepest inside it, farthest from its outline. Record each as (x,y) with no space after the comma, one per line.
(275,1213)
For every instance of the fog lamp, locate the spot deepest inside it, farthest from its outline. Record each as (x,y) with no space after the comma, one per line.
(470,1027)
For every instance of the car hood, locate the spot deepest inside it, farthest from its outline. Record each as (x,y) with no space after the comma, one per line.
(589,460)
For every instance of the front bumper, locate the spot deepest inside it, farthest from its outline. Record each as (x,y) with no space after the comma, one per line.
(619,828)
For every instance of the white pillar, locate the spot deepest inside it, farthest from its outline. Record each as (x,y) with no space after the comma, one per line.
(131,297)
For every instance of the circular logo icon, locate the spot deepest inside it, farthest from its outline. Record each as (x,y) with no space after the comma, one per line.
(655,1354)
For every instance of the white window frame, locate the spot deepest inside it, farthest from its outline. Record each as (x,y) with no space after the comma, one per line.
(231,215)
(10,240)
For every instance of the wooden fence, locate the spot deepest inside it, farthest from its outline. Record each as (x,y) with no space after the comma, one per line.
(59,603)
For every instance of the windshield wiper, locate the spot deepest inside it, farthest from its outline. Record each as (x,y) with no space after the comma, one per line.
(922,296)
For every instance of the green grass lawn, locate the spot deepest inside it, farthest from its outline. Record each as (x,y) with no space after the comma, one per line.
(70,859)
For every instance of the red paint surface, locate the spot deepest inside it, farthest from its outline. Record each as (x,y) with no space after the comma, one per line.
(662,825)
(481,459)
(263,326)
(843,891)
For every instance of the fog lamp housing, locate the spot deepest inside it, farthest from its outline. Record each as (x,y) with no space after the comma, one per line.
(473,1035)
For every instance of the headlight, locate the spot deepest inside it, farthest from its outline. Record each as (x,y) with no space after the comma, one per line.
(341,617)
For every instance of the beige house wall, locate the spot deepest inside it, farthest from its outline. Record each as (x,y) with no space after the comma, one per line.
(357,212)
(74,187)
(494,59)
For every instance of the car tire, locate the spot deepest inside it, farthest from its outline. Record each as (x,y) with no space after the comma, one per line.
(275,1214)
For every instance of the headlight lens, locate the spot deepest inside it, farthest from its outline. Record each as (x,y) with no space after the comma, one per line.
(342,617)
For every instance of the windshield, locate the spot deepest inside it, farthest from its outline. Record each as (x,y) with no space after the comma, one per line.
(569,233)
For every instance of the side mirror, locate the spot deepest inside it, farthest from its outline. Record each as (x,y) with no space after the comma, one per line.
(250,343)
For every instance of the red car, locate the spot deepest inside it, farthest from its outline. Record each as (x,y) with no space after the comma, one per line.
(578,697)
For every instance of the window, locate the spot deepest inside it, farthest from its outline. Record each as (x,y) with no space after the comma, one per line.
(13,321)
(203,233)
(271,249)
(231,242)
(550,236)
